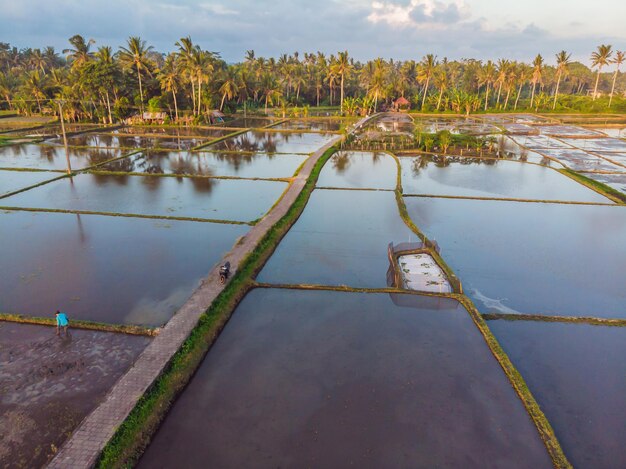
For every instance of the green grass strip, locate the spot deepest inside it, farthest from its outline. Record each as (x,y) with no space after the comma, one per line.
(593,321)
(546,432)
(600,188)
(508,199)
(125,215)
(134,435)
(81,324)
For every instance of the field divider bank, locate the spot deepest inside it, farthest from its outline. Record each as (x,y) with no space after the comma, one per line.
(81,324)
(544,428)
(590,320)
(202,146)
(183,175)
(509,199)
(118,430)
(596,186)
(125,215)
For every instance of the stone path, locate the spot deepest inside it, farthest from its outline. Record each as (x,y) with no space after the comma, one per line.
(84,446)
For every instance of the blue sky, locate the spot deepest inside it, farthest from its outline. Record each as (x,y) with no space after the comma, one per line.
(400,29)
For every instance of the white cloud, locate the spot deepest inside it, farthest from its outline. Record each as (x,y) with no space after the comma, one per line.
(218,9)
(419,12)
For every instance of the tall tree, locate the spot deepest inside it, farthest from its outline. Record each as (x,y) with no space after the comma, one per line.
(169,78)
(562,64)
(599,59)
(80,52)
(536,76)
(135,54)
(342,68)
(428,65)
(618,61)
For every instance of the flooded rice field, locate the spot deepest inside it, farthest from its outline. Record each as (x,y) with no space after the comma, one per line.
(359,170)
(48,384)
(341,238)
(33,156)
(202,163)
(11,181)
(318,125)
(134,141)
(273,142)
(206,198)
(577,374)
(467,177)
(170,132)
(106,269)
(531,257)
(329,379)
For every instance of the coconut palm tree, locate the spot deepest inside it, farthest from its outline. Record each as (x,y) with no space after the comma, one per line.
(502,74)
(486,76)
(270,89)
(35,86)
(80,53)
(169,78)
(136,54)
(442,82)
(229,87)
(428,65)
(618,61)
(342,68)
(536,76)
(562,63)
(600,58)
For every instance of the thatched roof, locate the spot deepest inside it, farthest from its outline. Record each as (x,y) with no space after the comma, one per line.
(402,101)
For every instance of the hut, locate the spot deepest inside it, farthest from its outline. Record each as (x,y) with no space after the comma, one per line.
(401,104)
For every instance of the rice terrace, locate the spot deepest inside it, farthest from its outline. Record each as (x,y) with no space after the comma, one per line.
(311,259)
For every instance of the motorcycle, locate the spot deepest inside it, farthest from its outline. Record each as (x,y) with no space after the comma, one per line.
(224,272)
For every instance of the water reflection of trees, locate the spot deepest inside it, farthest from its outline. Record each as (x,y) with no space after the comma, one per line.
(443,161)
(341,161)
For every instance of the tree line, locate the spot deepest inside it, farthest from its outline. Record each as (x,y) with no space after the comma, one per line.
(100,84)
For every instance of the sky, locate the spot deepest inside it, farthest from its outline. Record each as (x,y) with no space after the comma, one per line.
(399,29)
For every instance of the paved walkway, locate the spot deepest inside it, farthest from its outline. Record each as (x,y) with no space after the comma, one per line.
(84,446)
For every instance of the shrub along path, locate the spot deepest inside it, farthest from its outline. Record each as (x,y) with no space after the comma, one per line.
(84,446)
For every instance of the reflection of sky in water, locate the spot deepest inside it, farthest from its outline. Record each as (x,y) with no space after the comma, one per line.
(533,258)
(103,268)
(238,200)
(577,374)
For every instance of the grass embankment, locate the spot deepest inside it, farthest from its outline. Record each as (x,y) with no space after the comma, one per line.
(592,321)
(219,139)
(135,433)
(546,432)
(125,215)
(80,324)
(607,191)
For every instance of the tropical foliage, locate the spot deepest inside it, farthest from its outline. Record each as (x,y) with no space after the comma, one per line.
(106,85)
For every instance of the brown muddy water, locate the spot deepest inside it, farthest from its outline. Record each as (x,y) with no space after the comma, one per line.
(48,384)
(329,379)
(577,374)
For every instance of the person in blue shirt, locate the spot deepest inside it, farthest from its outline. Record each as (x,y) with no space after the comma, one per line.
(62,322)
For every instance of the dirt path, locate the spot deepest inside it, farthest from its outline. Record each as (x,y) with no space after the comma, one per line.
(84,446)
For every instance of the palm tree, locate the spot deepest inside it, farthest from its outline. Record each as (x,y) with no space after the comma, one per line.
(35,85)
(229,87)
(486,76)
(186,50)
(169,78)
(270,89)
(599,59)
(536,76)
(562,63)
(442,82)
(342,68)
(80,52)
(522,76)
(428,65)
(107,65)
(503,72)
(136,55)
(618,61)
